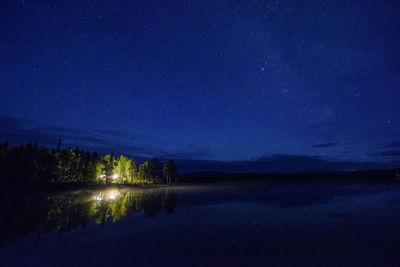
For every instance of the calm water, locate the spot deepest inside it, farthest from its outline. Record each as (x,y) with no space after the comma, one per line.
(313,223)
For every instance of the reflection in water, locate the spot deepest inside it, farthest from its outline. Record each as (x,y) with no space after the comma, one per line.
(43,213)
(231,224)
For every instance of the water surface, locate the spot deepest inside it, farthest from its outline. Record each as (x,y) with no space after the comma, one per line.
(304,223)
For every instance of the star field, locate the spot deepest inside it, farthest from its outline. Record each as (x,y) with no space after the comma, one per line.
(215,80)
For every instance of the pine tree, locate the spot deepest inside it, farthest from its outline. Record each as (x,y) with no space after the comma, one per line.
(171,172)
(133,169)
(144,173)
(59,144)
(156,171)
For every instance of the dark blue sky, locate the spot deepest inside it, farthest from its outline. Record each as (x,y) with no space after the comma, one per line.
(210,80)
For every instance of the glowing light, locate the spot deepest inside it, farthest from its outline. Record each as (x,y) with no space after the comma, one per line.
(115,176)
(113,195)
(98,197)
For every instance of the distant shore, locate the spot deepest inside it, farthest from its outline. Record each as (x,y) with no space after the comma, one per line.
(210,178)
(384,175)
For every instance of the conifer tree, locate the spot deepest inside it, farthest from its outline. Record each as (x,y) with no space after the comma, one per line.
(171,172)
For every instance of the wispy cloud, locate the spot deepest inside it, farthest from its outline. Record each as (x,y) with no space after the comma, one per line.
(389,153)
(392,145)
(323,145)
(13,123)
(18,131)
(283,163)
(138,145)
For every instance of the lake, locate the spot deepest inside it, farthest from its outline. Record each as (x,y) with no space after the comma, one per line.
(228,224)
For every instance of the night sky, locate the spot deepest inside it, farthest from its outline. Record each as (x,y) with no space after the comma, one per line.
(205,80)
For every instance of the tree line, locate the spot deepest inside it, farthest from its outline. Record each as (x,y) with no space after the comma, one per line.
(31,164)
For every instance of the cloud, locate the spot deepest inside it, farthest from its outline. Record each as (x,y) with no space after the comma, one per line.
(13,123)
(114,133)
(18,131)
(389,153)
(139,146)
(392,145)
(281,163)
(109,132)
(317,126)
(289,158)
(59,130)
(323,145)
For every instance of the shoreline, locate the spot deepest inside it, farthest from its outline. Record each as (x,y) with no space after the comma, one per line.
(198,179)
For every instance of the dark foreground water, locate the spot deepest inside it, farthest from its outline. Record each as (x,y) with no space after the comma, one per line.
(307,223)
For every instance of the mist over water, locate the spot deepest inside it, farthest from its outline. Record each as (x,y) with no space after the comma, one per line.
(261,223)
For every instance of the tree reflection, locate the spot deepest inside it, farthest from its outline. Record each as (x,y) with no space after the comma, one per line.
(47,213)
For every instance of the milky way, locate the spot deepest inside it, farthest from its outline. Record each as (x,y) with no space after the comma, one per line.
(217,80)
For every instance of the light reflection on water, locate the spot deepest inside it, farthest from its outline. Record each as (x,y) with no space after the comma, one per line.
(229,224)
(61,212)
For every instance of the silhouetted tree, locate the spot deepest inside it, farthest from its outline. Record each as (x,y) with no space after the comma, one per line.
(59,144)
(156,171)
(134,171)
(171,172)
(144,175)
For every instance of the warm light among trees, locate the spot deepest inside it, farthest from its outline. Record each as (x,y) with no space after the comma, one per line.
(40,165)
(125,171)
